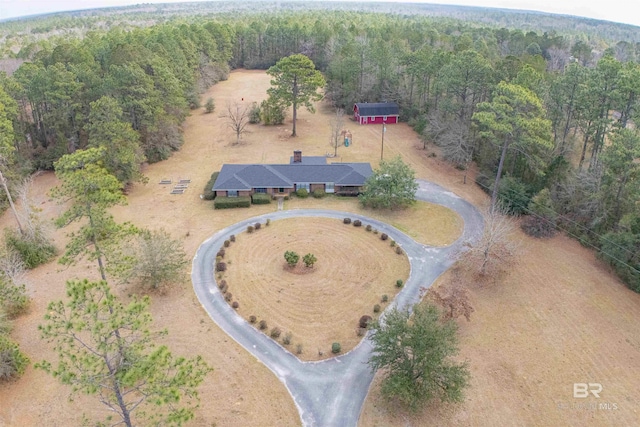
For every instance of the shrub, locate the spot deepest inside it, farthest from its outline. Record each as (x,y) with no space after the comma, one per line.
(221,266)
(254,114)
(228,296)
(318,193)
(361,331)
(376,308)
(262,325)
(347,220)
(5,323)
(384,298)
(302,193)
(292,258)
(227,243)
(257,226)
(220,254)
(222,284)
(260,199)
(232,237)
(209,106)
(399,250)
(267,222)
(235,304)
(13,298)
(357,223)
(275,332)
(543,219)
(287,197)
(32,251)
(336,348)
(392,243)
(485,182)
(224,202)
(252,319)
(208,193)
(12,361)
(384,236)
(287,338)
(218,259)
(368,227)
(298,348)
(250,229)
(271,112)
(364,321)
(375,231)
(399,283)
(514,195)
(309,260)
(224,288)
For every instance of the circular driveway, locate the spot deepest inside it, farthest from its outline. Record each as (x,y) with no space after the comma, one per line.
(330,392)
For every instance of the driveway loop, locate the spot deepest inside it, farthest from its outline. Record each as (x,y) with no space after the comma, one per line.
(331,392)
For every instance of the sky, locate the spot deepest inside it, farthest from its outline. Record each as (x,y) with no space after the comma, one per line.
(627,12)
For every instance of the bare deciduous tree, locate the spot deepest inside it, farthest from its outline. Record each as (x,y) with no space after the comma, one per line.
(337,123)
(237,116)
(452,135)
(33,227)
(496,250)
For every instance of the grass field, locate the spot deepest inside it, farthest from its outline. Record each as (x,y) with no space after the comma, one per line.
(318,305)
(560,317)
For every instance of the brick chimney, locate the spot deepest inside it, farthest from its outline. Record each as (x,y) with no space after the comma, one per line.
(297,156)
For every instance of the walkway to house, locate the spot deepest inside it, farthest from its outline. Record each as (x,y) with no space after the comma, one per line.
(330,392)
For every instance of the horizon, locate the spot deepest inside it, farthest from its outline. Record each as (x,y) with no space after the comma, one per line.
(589,9)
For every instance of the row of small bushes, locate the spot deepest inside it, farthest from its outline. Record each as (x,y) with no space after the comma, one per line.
(208,193)
(224,202)
(303,193)
(260,199)
(383,236)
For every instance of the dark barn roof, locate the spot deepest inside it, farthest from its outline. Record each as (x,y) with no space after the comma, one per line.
(377,109)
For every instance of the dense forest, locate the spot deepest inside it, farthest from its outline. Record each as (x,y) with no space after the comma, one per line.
(551,113)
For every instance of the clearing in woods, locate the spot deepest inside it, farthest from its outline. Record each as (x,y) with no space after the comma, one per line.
(560,317)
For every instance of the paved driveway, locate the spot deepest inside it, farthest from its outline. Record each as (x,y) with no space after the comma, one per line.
(331,392)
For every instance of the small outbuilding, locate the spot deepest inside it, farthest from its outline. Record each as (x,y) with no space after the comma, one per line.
(376,112)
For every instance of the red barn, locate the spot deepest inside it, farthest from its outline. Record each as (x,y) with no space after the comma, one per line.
(376,112)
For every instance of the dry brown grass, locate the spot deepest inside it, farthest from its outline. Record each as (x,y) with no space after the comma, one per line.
(529,340)
(354,269)
(425,222)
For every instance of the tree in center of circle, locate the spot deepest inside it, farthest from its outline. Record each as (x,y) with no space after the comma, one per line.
(295,82)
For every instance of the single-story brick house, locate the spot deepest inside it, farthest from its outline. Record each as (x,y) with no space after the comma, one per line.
(309,172)
(376,112)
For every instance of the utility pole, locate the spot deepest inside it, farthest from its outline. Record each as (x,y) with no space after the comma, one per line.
(384,129)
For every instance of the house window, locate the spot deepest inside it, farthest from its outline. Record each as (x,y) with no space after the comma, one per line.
(364,120)
(232,193)
(261,190)
(304,185)
(329,187)
(384,118)
(280,190)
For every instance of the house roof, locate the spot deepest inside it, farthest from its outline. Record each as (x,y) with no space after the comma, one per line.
(377,109)
(248,176)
